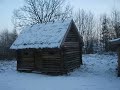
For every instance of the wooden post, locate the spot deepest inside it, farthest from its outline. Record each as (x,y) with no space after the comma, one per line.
(81,56)
(118,61)
(62,60)
(34,52)
(18,55)
(80,50)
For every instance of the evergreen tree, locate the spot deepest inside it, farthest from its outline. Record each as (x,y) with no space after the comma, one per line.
(105,33)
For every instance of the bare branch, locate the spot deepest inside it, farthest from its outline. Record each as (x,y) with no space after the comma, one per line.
(42,11)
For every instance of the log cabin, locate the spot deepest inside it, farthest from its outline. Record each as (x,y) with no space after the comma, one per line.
(116,42)
(51,48)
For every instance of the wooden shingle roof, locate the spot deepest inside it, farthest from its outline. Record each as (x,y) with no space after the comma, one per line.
(48,35)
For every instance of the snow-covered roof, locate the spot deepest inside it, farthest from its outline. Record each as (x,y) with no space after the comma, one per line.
(49,35)
(115,41)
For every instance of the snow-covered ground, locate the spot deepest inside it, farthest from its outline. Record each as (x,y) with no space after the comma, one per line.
(97,73)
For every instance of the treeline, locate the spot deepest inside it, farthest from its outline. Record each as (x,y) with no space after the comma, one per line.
(97,31)
(6,40)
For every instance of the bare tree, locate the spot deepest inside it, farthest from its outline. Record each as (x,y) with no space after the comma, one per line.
(115,18)
(85,24)
(41,11)
(6,40)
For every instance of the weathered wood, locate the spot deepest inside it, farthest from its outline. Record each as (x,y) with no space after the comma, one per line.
(72,52)
(54,60)
(18,57)
(71,43)
(27,59)
(118,61)
(72,58)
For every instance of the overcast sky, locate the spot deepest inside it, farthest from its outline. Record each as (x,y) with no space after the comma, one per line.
(96,6)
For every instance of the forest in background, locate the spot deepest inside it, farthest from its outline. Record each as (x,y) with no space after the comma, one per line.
(95,30)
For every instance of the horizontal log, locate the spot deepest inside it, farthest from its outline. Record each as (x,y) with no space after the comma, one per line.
(27,56)
(26,63)
(72,52)
(44,50)
(38,59)
(71,34)
(38,66)
(27,59)
(72,66)
(71,43)
(54,64)
(51,70)
(52,59)
(38,55)
(70,61)
(68,56)
(69,49)
(71,55)
(51,67)
(38,62)
(51,64)
(71,38)
(44,56)
(25,68)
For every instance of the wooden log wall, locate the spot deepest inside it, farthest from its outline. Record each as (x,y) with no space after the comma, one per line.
(51,61)
(60,60)
(46,60)
(38,59)
(25,60)
(72,51)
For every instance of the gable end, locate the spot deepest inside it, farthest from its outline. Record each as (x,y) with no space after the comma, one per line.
(72,35)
